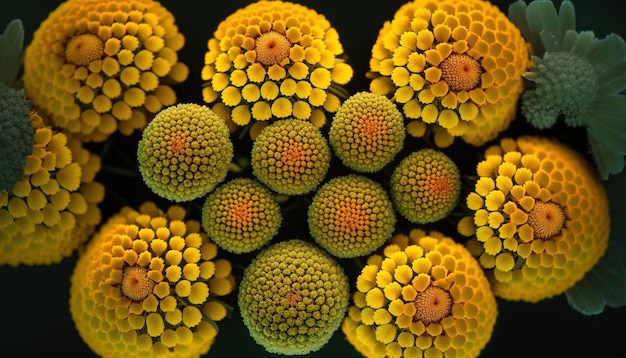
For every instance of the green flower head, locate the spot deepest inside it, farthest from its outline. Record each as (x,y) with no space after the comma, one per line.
(367,132)
(351,216)
(290,156)
(241,215)
(425,186)
(185,152)
(292,297)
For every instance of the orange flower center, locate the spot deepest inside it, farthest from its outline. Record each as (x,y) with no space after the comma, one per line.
(439,186)
(461,72)
(136,284)
(349,218)
(293,154)
(432,305)
(240,213)
(293,298)
(272,47)
(83,49)
(178,144)
(370,128)
(546,219)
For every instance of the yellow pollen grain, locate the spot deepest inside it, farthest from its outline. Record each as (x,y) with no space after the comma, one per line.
(432,305)
(83,49)
(136,284)
(271,48)
(546,219)
(461,72)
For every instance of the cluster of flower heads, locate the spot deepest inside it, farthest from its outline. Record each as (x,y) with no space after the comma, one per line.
(454,66)
(577,76)
(541,218)
(96,67)
(367,132)
(292,297)
(184,152)
(275,59)
(146,286)
(351,215)
(290,156)
(241,215)
(53,208)
(425,297)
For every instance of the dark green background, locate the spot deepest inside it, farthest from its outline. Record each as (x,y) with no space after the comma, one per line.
(35,320)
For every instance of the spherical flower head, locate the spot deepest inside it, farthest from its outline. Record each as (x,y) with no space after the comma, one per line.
(241,215)
(97,67)
(184,152)
(351,216)
(292,297)
(367,132)
(273,60)
(454,66)
(16,135)
(425,296)
(570,80)
(425,186)
(290,156)
(146,286)
(53,207)
(541,218)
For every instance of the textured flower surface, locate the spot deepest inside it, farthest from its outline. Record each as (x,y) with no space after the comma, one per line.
(425,186)
(425,297)
(96,67)
(541,218)
(241,215)
(577,76)
(351,216)
(275,59)
(290,156)
(53,208)
(367,132)
(292,297)
(146,286)
(454,65)
(184,152)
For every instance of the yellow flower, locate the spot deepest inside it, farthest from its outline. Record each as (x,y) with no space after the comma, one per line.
(426,297)
(454,66)
(145,286)
(53,208)
(96,67)
(275,59)
(541,218)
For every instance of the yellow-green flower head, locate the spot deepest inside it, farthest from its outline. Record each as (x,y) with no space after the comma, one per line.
(292,297)
(97,67)
(571,80)
(53,207)
(351,215)
(290,156)
(241,215)
(426,297)
(425,186)
(275,59)
(146,286)
(367,132)
(541,218)
(184,152)
(454,65)
(16,135)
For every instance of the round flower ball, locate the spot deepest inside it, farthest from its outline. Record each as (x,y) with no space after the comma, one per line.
(54,206)
(272,60)
(452,66)
(290,156)
(426,296)
(351,216)
(96,67)
(184,152)
(541,217)
(367,132)
(241,215)
(145,286)
(292,297)
(425,186)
